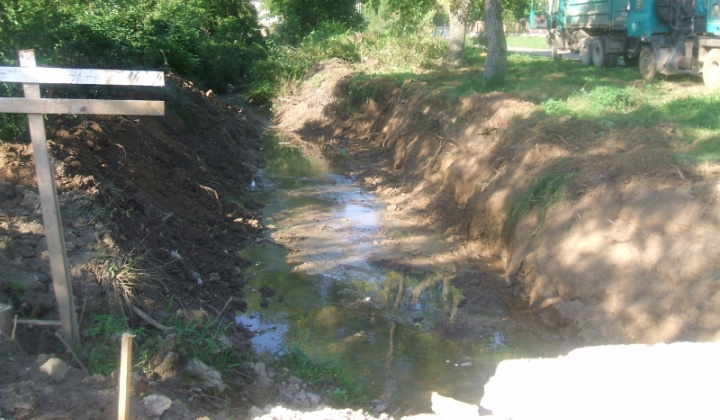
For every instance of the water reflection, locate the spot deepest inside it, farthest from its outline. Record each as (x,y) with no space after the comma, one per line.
(393,331)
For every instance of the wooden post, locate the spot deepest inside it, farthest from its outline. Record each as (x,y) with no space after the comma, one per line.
(6,313)
(35,106)
(125,376)
(51,212)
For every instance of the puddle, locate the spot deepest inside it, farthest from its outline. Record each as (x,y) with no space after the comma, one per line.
(402,334)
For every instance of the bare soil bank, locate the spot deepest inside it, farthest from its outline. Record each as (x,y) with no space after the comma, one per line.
(154,214)
(629,254)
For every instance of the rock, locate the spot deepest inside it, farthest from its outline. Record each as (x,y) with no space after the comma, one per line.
(55,368)
(210,377)
(314,399)
(31,200)
(381,408)
(254,412)
(263,380)
(156,404)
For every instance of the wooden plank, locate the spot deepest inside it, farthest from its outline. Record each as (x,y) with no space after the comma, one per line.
(50,75)
(125,376)
(6,316)
(81,106)
(51,213)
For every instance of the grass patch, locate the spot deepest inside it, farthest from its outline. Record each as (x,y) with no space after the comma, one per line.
(328,375)
(195,336)
(527,41)
(595,103)
(101,349)
(545,191)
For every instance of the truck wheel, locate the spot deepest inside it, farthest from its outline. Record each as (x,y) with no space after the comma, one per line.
(586,51)
(711,71)
(556,56)
(648,63)
(598,53)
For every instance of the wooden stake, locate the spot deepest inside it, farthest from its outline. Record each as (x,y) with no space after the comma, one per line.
(125,376)
(6,316)
(51,211)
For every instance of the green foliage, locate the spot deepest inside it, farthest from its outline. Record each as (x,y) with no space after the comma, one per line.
(211,42)
(597,102)
(16,292)
(14,128)
(101,349)
(696,120)
(328,375)
(285,64)
(409,16)
(406,52)
(203,338)
(546,190)
(302,17)
(195,337)
(524,41)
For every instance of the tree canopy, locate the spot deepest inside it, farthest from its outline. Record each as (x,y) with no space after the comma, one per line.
(211,42)
(300,17)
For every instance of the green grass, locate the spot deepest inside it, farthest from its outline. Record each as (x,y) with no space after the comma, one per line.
(546,190)
(101,346)
(327,375)
(198,337)
(527,41)
(615,97)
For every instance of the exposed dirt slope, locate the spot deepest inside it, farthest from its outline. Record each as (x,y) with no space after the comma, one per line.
(630,253)
(154,215)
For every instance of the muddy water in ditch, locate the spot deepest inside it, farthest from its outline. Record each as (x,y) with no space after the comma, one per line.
(401,334)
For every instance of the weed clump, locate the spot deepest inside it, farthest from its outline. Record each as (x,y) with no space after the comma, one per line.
(545,191)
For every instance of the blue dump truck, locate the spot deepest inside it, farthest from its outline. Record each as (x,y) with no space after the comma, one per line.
(658,36)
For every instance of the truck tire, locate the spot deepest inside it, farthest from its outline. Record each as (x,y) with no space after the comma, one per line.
(648,63)
(586,52)
(599,57)
(711,71)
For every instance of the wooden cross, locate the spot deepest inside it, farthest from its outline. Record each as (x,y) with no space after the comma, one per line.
(35,106)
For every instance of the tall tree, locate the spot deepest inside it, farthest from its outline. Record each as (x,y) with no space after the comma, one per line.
(458,11)
(496,60)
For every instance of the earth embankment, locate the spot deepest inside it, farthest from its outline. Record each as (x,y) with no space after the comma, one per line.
(607,237)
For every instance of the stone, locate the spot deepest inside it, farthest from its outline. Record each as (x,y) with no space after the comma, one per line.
(156,404)
(55,368)
(254,412)
(210,377)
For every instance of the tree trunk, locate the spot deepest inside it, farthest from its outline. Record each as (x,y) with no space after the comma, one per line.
(458,25)
(496,59)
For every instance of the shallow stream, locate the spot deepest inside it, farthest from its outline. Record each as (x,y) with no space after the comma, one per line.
(316,286)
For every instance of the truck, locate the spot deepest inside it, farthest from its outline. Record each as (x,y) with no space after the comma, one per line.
(595,29)
(658,36)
